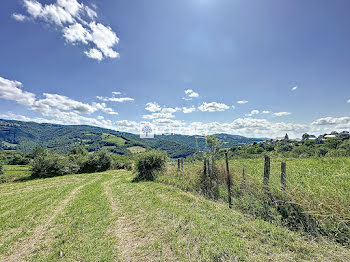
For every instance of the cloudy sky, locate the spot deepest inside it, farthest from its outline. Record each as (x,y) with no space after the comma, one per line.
(254,68)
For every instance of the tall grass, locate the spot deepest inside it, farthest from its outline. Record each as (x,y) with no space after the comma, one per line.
(317,197)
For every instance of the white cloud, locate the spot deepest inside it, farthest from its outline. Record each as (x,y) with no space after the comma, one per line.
(90,12)
(93,53)
(73,17)
(34,8)
(115,99)
(188,110)
(332,121)
(190,94)
(103,107)
(126,123)
(169,110)
(294,88)
(348,101)
(19,17)
(71,6)
(10,90)
(76,33)
(152,107)
(62,103)
(242,102)
(158,115)
(213,107)
(170,122)
(265,112)
(282,114)
(52,103)
(253,112)
(104,38)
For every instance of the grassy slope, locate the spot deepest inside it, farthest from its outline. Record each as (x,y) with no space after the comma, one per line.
(105,217)
(14,172)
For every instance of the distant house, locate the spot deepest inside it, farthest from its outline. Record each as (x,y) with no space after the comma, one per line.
(330,136)
(312,137)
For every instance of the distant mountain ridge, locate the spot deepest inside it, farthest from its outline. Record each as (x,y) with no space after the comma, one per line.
(25,136)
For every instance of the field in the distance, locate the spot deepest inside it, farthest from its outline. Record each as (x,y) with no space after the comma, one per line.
(106,217)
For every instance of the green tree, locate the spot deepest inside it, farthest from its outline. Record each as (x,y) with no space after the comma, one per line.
(213,142)
(37,152)
(80,150)
(305,136)
(332,142)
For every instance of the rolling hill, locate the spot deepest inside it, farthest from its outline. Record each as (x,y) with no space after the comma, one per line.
(25,136)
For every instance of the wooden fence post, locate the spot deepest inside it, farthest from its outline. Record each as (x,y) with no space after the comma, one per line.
(182,164)
(244,186)
(209,169)
(204,178)
(283,176)
(228,182)
(266,173)
(178,164)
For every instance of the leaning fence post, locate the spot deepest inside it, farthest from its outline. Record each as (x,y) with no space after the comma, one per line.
(266,173)
(228,182)
(283,177)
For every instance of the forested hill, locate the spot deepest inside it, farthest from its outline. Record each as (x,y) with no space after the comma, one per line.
(198,142)
(25,136)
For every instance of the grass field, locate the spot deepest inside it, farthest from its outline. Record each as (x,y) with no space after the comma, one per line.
(136,149)
(113,139)
(14,172)
(317,190)
(106,217)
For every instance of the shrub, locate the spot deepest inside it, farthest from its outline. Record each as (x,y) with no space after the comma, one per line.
(321,151)
(98,162)
(122,162)
(50,165)
(19,159)
(1,169)
(147,164)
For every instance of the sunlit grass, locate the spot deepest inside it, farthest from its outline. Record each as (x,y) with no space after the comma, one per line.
(319,187)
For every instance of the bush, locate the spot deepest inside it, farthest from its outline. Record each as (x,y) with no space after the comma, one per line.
(149,163)
(321,151)
(50,165)
(19,159)
(122,162)
(98,162)
(1,169)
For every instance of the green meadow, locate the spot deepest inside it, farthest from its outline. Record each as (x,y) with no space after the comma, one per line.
(107,217)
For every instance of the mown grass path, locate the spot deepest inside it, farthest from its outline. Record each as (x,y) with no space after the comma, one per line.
(106,217)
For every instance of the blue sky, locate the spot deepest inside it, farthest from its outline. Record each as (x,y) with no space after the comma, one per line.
(180,65)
